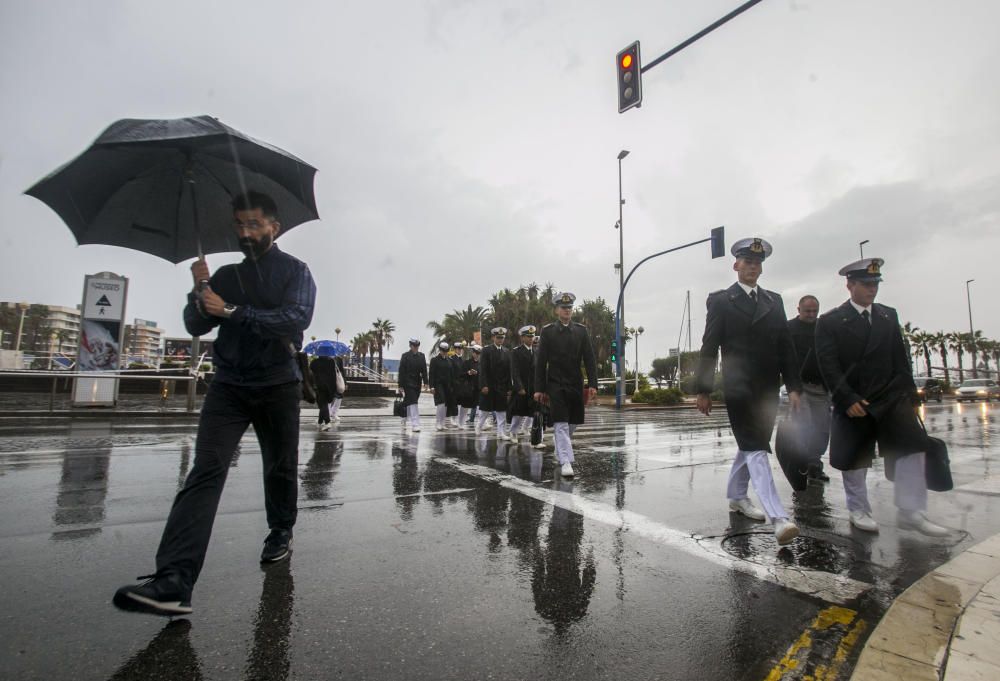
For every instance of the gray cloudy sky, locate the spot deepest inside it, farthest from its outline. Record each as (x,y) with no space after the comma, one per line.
(466,146)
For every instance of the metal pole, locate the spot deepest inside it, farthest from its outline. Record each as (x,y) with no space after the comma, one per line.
(620,374)
(20,326)
(637,334)
(861,246)
(972,333)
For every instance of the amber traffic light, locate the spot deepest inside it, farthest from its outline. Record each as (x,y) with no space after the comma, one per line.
(629,78)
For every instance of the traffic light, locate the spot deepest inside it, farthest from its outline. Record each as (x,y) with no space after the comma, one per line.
(718,242)
(614,352)
(629,78)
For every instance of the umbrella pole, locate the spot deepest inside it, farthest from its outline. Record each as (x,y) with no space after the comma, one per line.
(195,340)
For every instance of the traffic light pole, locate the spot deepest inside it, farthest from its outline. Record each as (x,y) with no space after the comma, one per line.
(700,34)
(717,237)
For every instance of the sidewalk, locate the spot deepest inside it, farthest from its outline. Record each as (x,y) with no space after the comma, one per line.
(945,626)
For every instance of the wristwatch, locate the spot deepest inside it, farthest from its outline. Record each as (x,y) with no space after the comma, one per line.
(228,309)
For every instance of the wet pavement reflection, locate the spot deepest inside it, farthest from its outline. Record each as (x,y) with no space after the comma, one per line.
(443,555)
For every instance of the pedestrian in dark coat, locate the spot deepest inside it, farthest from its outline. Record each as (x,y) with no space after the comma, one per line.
(522,370)
(565,346)
(324,371)
(260,306)
(457,359)
(812,421)
(748,324)
(864,362)
(468,385)
(412,378)
(495,383)
(441,381)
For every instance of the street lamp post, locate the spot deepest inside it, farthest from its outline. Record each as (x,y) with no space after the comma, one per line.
(620,374)
(638,332)
(20,325)
(972,333)
(861,246)
(337,331)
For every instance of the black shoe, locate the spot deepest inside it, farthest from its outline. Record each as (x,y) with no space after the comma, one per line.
(159,595)
(277,546)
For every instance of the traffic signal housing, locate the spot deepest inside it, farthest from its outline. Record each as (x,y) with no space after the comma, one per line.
(718,242)
(629,78)
(614,352)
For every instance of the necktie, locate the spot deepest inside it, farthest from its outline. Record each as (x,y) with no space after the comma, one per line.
(867,316)
(753,296)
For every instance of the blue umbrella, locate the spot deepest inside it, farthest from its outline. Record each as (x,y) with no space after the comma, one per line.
(327,348)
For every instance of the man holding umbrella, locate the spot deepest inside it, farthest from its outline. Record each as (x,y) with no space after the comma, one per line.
(261,307)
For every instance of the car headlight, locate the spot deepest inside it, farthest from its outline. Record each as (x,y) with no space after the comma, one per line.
(980,392)
(920,390)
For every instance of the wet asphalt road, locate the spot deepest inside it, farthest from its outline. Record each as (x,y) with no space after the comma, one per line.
(443,556)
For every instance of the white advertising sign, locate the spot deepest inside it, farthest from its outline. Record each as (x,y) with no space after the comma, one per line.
(102,331)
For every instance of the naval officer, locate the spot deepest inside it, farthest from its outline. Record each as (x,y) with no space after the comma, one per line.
(748,323)
(863,358)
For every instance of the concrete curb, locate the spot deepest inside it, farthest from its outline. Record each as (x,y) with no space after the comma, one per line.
(945,626)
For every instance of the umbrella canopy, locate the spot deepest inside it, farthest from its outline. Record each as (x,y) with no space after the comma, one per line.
(327,348)
(165,186)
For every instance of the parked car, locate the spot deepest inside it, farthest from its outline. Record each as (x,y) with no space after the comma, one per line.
(978,389)
(929,388)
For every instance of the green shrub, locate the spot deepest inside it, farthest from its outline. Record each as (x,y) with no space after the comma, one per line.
(658,396)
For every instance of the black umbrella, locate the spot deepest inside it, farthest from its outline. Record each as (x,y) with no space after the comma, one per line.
(165,186)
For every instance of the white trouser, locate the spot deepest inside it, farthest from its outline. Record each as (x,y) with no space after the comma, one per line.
(500,416)
(754,466)
(441,413)
(462,413)
(564,445)
(517,421)
(335,406)
(413,415)
(909,491)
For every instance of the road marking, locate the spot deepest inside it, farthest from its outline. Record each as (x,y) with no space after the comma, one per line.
(824,585)
(829,624)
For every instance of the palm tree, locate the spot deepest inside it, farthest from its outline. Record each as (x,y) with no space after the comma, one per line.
(922,340)
(382,331)
(909,331)
(956,343)
(460,324)
(993,348)
(972,342)
(940,341)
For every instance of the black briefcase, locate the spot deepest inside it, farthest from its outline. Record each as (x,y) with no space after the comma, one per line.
(397,408)
(536,427)
(937,465)
(790,450)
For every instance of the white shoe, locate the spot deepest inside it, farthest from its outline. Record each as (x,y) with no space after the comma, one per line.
(438,428)
(336,418)
(461,426)
(416,429)
(785,531)
(863,521)
(917,520)
(540,445)
(567,470)
(324,426)
(746,507)
(512,437)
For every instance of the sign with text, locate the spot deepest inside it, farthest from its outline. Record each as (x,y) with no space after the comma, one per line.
(102,326)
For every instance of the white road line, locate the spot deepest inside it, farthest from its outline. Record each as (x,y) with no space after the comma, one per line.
(824,585)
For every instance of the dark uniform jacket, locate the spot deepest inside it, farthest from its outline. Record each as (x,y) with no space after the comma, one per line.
(442,378)
(494,373)
(867,362)
(412,375)
(522,370)
(468,385)
(561,351)
(757,356)
(803,337)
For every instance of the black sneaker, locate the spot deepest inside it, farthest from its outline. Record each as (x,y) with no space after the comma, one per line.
(277,546)
(158,595)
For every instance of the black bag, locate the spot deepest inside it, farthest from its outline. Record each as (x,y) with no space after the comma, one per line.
(308,388)
(937,465)
(536,428)
(397,407)
(792,454)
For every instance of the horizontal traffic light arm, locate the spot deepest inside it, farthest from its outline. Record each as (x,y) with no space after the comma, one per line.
(700,34)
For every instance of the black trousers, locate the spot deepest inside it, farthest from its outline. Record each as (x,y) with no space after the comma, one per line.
(273,411)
